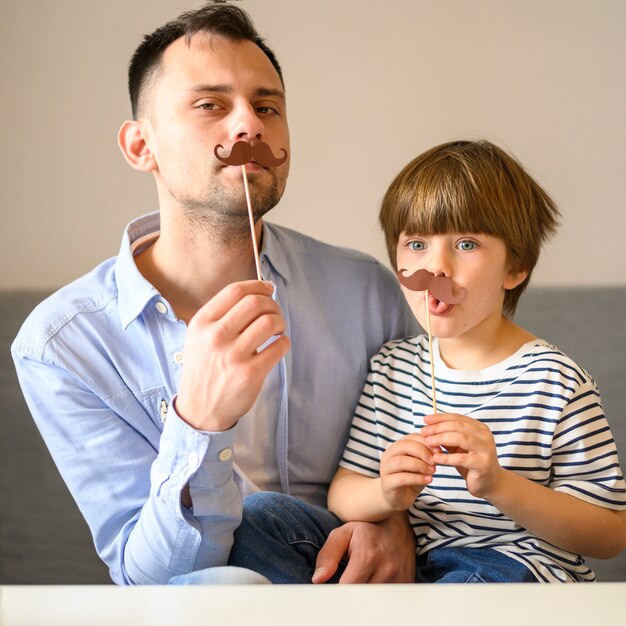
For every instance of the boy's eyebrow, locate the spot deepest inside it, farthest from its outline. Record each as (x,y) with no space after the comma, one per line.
(228,89)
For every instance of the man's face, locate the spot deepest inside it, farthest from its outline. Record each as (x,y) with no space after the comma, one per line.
(215,91)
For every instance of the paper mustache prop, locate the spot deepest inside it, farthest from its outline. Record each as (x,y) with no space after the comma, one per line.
(441,288)
(241,153)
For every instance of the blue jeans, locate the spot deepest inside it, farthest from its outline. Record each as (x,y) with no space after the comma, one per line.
(280,537)
(225,575)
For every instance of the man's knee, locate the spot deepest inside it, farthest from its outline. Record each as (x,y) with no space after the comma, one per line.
(264,502)
(292,518)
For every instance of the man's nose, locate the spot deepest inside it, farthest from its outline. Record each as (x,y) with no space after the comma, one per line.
(245,124)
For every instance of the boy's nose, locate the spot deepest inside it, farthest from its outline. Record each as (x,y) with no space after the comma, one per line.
(439,262)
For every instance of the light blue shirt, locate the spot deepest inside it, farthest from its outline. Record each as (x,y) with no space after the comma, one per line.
(100,360)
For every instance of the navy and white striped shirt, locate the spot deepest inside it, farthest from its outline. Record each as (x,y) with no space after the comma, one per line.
(547,420)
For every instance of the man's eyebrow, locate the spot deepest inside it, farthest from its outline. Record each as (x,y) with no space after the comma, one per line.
(219,88)
(228,89)
(277,93)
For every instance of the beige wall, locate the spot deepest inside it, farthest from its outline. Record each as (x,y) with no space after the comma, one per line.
(370,85)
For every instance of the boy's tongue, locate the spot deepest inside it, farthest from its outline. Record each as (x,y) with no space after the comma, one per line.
(437,307)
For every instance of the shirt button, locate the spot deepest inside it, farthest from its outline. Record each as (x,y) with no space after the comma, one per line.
(161,308)
(178,358)
(225,454)
(193,459)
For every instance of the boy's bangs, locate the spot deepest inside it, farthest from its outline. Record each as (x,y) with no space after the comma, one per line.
(438,206)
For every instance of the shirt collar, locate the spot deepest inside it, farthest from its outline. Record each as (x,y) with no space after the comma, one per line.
(273,250)
(134,291)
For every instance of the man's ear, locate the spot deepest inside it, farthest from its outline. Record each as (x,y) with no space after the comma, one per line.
(132,142)
(513,279)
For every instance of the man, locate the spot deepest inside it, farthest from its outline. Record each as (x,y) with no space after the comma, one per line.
(144,376)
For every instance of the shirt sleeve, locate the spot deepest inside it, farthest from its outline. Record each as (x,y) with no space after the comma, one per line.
(127,486)
(584,455)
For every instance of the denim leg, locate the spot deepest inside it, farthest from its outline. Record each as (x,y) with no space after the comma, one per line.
(470,565)
(280,537)
(224,575)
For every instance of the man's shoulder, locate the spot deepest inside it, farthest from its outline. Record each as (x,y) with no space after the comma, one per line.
(300,243)
(91,293)
(310,255)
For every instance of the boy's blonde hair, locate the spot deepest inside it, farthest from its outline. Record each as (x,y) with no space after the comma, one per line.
(471,187)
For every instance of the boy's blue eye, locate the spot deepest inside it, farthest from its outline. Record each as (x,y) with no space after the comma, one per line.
(467,245)
(416,245)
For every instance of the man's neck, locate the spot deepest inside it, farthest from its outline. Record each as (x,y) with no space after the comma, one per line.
(189,265)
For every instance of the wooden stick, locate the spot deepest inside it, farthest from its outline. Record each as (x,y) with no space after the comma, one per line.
(432,356)
(251,219)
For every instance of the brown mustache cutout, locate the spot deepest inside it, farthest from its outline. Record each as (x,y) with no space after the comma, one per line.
(242,152)
(439,286)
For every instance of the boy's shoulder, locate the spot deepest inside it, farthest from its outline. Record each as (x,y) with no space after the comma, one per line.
(404,350)
(541,356)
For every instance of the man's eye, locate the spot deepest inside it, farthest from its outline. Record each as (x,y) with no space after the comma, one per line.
(416,246)
(207,106)
(467,245)
(266,110)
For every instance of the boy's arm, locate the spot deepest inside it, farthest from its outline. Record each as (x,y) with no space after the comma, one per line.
(355,497)
(406,467)
(564,520)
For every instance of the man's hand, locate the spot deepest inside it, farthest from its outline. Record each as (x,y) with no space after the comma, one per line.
(406,467)
(223,372)
(383,552)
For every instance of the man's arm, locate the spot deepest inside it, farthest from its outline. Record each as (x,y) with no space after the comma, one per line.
(127,477)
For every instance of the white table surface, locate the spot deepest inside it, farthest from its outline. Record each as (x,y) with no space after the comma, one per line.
(600,604)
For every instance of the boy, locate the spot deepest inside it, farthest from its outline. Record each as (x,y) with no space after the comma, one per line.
(518,475)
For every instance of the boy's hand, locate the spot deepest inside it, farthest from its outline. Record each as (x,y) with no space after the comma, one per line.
(470,448)
(406,467)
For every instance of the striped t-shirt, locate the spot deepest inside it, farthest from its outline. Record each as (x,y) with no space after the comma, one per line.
(545,415)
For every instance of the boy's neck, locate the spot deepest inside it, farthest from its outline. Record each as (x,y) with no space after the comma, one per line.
(484,346)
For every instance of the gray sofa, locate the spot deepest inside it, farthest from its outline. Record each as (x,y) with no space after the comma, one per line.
(43,538)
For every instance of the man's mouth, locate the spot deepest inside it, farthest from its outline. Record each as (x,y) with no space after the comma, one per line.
(252,167)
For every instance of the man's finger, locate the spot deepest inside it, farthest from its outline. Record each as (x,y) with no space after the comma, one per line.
(226,299)
(332,553)
(356,572)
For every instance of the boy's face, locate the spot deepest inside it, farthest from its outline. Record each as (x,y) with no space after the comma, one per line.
(475,262)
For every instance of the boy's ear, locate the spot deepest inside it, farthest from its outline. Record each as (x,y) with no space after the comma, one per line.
(513,279)
(132,142)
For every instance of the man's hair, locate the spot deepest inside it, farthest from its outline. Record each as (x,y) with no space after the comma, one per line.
(216,18)
(471,187)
